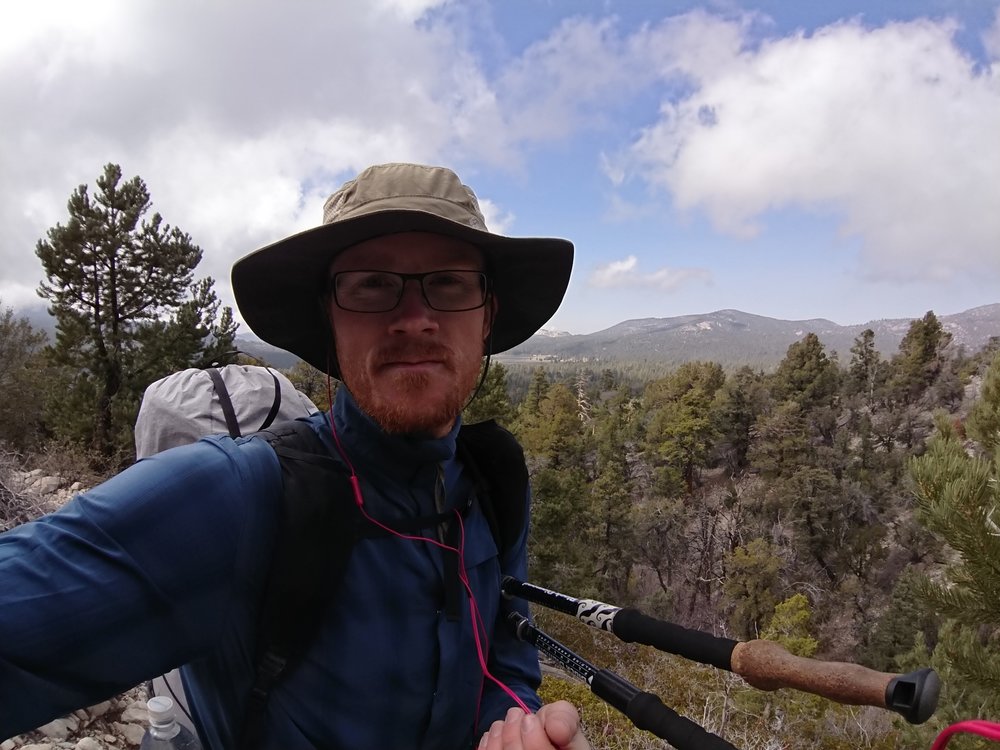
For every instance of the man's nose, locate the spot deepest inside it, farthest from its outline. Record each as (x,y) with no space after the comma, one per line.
(413,292)
(413,305)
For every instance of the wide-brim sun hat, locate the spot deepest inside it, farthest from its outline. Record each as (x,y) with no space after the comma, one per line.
(279,288)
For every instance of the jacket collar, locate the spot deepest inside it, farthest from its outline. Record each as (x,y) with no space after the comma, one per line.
(371,449)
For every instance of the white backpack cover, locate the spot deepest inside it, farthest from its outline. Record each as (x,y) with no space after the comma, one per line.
(233,400)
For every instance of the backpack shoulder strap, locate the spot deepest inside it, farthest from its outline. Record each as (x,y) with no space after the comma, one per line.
(317,531)
(275,404)
(320,524)
(496,461)
(226,402)
(232,423)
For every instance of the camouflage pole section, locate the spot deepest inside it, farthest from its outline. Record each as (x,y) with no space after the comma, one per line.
(766,665)
(643,709)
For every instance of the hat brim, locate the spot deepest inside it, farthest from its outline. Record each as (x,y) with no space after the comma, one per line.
(279,288)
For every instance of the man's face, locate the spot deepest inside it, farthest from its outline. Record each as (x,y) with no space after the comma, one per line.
(412,368)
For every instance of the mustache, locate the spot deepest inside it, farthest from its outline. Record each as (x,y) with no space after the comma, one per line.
(413,351)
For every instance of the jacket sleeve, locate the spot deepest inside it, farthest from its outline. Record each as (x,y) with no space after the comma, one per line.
(130,579)
(512,661)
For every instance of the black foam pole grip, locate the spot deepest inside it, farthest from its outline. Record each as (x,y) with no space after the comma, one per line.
(648,712)
(633,626)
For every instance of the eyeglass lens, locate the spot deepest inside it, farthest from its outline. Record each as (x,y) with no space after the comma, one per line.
(381,291)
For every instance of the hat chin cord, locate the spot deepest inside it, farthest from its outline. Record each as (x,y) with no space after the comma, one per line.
(486,369)
(482,381)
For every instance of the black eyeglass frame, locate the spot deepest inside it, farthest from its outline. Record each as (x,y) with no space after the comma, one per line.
(484,280)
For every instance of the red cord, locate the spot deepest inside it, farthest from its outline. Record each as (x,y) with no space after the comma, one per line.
(988,729)
(478,626)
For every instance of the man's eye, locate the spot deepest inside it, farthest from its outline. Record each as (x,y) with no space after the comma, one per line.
(377,281)
(445,280)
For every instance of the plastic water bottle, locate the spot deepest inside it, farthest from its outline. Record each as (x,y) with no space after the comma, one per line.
(165,733)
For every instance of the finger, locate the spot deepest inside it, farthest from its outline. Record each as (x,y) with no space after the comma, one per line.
(561,724)
(512,729)
(493,737)
(533,735)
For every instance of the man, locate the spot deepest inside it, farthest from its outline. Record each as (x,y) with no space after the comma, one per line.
(400,293)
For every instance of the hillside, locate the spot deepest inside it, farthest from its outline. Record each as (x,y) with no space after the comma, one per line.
(733,338)
(729,337)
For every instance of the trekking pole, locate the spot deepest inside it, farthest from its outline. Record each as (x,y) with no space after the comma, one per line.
(766,665)
(643,709)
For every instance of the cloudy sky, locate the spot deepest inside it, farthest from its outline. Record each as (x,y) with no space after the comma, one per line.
(836,159)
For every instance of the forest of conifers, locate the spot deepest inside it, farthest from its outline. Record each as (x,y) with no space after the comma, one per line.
(811,505)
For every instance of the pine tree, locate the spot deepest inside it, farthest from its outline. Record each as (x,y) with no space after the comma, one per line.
(19,412)
(492,401)
(920,359)
(614,548)
(751,585)
(555,432)
(317,385)
(681,430)
(560,522)
(806,375)
(735,410)
(789,626)
(905,619)
(866,369)
(959,499)
(529,409)
(111,276)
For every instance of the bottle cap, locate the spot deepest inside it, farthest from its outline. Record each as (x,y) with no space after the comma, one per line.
(161,709)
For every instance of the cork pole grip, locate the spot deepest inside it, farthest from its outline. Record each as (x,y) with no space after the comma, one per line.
(768,666)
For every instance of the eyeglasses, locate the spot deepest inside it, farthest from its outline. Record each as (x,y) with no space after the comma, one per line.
(381,291)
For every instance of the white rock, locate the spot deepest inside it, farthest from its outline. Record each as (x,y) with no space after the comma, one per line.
(96,712)
(136,713)
(88,743)
(131,732)
(47,485)
(60,729)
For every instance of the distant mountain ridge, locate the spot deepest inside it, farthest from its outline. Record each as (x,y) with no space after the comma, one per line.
(734,338)
(729,337)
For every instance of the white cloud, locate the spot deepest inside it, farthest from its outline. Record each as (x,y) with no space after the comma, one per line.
(624,274)
(498,220)
(991,38)
(410,9)
(243,115)
(240,116)
(893,130)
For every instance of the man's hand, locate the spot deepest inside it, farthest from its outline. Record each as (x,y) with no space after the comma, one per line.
(556,726)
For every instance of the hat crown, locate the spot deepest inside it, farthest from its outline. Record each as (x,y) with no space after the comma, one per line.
(406,187)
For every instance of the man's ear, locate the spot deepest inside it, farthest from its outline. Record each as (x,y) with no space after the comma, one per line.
(332,364)
(489,317)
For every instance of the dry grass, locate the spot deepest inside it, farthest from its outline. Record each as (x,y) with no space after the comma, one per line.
(17,503)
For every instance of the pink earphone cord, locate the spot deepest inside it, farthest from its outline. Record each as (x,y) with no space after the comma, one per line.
(478,626)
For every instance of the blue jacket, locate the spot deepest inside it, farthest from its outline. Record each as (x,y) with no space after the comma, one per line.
(165,565)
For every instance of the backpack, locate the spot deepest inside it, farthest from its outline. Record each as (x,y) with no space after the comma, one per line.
(315,537)
(235,399)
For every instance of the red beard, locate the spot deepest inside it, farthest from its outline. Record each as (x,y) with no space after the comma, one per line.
(412,402)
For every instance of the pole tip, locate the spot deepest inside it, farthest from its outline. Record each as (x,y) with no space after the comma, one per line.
(914,696)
